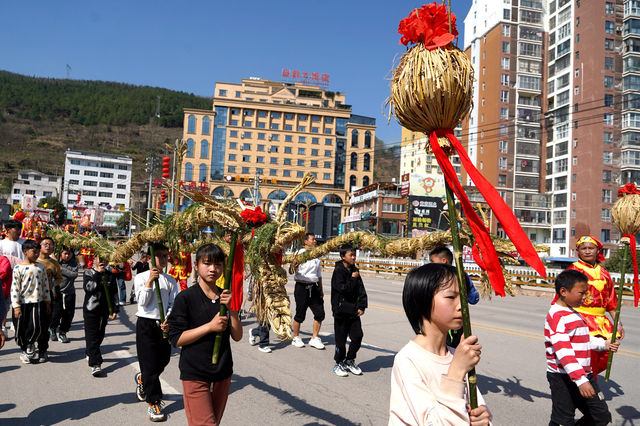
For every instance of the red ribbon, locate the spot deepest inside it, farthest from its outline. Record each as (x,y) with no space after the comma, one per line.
(636,285)
(485,250)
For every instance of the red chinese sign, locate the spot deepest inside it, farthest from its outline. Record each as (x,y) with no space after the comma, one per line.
(193,186)
(306,77)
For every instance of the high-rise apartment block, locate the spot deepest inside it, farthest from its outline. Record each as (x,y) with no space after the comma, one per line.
(555,125)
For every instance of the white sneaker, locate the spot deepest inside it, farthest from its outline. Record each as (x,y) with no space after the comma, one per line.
(340,370)
(297,342)
(351,366)
(252,339)
(265,349)
(315,342)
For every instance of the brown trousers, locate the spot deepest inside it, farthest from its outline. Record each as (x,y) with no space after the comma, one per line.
(204,402)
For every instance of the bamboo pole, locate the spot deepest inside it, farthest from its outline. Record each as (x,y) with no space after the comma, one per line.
(228,273)
(623,268)
(156,286)
(462,285)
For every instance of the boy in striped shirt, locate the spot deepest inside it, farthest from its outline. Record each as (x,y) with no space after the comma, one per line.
(568,345)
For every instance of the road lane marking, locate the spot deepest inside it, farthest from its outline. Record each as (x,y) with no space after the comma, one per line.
(502,330)
(166,387)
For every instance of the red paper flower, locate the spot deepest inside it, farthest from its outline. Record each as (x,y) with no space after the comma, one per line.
(428,25)
(19,216)
(627,189)
(254,217)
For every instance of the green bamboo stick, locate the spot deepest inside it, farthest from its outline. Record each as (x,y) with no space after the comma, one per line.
(623,268)
(156,286)
(228,272)
(462,284)
(106,292)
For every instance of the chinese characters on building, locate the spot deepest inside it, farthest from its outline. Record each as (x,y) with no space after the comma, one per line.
(306,77)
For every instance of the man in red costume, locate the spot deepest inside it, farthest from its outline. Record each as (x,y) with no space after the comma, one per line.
(181,268)
(600,298)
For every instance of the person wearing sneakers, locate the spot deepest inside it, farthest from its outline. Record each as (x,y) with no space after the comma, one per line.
(154,350)
(258,335)
(31,303)
(348,302)
(308,293)
(95,309)
(65,308)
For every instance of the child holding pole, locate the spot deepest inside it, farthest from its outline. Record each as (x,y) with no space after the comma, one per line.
(100,304)
(194,322)
(154,350)
(568,346)
(428,380)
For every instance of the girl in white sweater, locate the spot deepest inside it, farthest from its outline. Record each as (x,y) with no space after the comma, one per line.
(428,381)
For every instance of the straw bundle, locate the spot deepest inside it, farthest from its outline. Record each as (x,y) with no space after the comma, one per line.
(432,89)
(626,214)
(102,247)
(307,180)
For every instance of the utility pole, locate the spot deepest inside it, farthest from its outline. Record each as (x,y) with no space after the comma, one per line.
(149,169)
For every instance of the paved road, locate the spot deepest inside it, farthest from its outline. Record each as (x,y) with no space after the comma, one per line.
(295,386)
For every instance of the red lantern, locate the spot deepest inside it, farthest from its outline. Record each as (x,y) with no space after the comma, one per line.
(166,167)
(163,196)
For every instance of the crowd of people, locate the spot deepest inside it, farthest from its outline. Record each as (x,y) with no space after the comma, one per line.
(428,385)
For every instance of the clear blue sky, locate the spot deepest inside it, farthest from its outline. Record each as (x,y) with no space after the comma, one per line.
(190,45)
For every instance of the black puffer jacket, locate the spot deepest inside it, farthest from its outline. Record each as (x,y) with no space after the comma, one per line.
(347,293)
(95,300)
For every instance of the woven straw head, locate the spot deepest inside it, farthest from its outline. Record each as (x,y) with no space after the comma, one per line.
(626,214)
(432,89)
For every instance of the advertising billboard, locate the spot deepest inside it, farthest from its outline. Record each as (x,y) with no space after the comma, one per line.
(426,214)
(426,184)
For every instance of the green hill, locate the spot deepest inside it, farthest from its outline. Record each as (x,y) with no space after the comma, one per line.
(41,117)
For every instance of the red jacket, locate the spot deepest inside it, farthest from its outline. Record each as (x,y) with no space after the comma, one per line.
(6,276)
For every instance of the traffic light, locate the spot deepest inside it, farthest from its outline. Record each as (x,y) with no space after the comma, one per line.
(163,196)
(166,167)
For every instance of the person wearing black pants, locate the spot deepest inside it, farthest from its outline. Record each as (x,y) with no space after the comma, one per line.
(65,304)
(95,310)
(348,303)
(154,350)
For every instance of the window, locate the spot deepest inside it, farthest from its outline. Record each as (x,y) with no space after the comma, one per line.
(90,173)
(260,147)
(287,150)
(247,123)
(607,157)
(302,129)
(190,148)
(326,176)
(233,133)
(609,27)
(273,148)
(608,62)
(202,173)
(300,163)
(231,169)
(262,136)
(289,116)
(273,160)
(273,172)
(246,158)
(606,195)
(502,146)
(502,180)
(206,122)
(506,30)
(605,235)
(504,113)
(607,138)
(274,126)
(314,163)
(286,173)
(328,142)
(245,170)
(299,174)
(315,141)
(204,149)
(105,194)
(504,96)
(505,63)
(106,185)
(246,147)
(606,175)
(259,159)
(608,100)
(608,8)
(288,138)
(71,182)
(233,145)
(191,124)
(608,119)
(354,161)
(506,47)
(121,196)
(287,161)
(300,151)
(608,44)
(106,175)
(302,139)
(354,138)
(74,172)
(122,176)
(608,82)
(367,139)
(222,92)
(121,186)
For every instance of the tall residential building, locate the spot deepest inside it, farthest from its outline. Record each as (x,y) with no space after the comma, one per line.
(96,179)
(503,132)
(33,182)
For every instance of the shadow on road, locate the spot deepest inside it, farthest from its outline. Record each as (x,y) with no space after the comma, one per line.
(609,389)
(629,414)
(510,387)
(7,407)
(297,405)
(71,410)
(377,363)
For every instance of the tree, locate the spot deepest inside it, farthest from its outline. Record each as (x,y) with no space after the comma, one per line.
(59,214)
(123,222)
(615,261)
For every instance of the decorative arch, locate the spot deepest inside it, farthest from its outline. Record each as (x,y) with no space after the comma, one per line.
(202,173)
(204,148)
(277,195)
(222,192)
(188,172)
(367,139)
(354,138)
(306,196)
(366,162)
(190,148)
(248,195)
(332,199)
(191,124)
(206,125)
(354,161)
